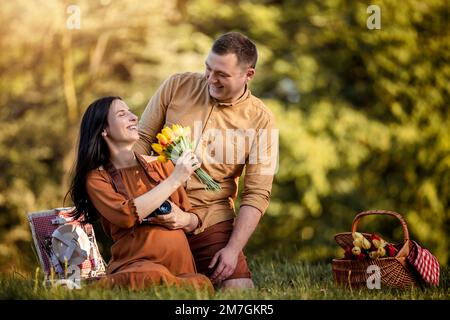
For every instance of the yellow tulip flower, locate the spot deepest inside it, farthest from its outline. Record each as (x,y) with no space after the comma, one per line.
(157,148)
(177,130)
(167,132)
(162,139)
(162,158)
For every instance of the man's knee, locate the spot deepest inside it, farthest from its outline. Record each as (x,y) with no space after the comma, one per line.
(241,283)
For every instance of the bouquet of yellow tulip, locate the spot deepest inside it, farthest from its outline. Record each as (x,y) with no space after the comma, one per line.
(171,144)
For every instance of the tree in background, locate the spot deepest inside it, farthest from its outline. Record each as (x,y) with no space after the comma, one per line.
(49,74)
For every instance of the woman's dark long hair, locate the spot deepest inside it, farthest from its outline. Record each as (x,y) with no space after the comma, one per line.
(92,153)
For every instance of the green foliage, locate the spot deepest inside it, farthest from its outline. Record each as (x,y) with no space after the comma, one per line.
(363,114)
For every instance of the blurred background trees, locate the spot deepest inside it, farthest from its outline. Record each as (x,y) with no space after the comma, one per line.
(363,114)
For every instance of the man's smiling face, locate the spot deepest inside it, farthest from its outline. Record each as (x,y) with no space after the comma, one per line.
(226,78)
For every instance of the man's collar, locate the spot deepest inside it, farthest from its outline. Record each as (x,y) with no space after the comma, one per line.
(242,98)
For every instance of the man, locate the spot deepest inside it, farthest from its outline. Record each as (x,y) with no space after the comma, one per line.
(219,107)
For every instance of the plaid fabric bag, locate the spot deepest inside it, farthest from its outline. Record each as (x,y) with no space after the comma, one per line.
(426,265)
(61,242)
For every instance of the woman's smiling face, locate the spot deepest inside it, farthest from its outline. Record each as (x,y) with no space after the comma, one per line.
(122,123)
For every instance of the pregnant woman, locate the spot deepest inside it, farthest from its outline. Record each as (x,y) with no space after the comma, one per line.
(123,188)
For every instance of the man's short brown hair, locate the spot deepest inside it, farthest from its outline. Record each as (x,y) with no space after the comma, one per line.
(240,45)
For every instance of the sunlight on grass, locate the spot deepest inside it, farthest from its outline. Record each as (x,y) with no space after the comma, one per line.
(275,279)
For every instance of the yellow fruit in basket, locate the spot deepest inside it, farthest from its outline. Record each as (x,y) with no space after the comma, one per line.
(374,254)
(356,251)
(379,243)
(366,244)
(358,243)
(357,235)
(376,243)
(381,251)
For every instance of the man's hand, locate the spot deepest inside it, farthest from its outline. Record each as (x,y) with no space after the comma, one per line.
(227,259)
(244,226)
(177,219)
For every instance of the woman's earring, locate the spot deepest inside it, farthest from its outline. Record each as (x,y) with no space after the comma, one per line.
(104,134)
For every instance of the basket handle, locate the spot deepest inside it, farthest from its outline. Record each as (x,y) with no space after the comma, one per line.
(382,212)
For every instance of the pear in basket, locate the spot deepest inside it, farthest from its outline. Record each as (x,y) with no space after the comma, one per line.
(381,252)
(356,251)
(358,242)
(377,241)
(374,254)
(366,244)
(357,235)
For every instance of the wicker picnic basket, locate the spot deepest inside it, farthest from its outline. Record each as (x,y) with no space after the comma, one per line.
(395,271)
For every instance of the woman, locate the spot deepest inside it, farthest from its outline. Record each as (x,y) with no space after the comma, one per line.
(124,188)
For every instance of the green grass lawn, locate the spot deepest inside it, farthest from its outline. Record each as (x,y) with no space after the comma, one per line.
(276,279)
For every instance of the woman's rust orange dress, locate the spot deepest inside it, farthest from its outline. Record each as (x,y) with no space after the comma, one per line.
(142,254)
